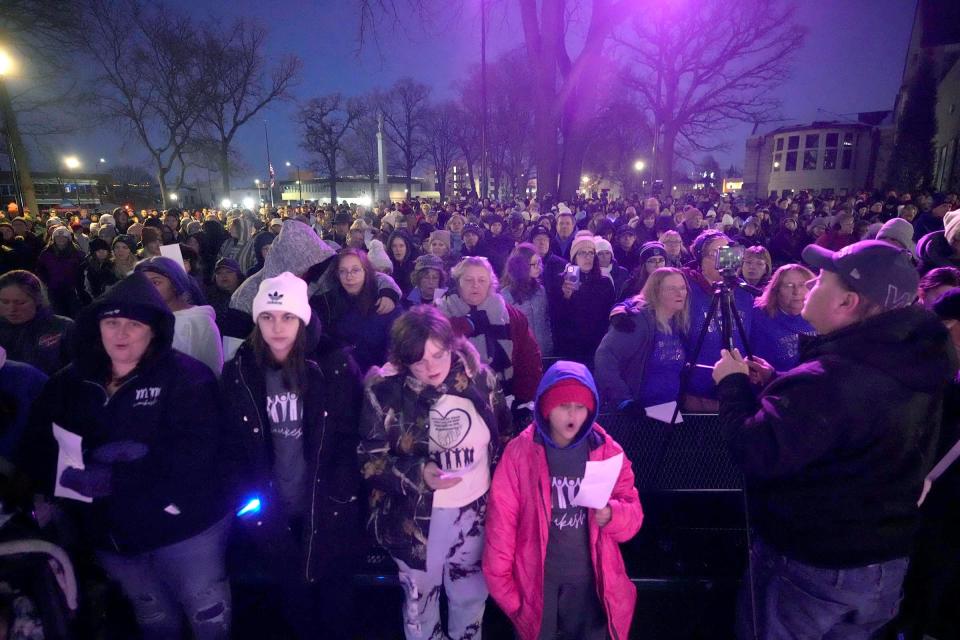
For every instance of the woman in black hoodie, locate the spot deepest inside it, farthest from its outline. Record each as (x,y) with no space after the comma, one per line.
(292,425)
(403,255)
(147,489)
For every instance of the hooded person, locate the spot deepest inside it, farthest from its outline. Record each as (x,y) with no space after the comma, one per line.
(29,330)
(403,254)
(834,469)
(195,333)
(239,245)
(98,268)
(941,248)
(292,405)
(299,250)
(149,497)
(545,568)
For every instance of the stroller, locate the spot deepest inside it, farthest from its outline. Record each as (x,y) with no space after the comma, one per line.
(38,589)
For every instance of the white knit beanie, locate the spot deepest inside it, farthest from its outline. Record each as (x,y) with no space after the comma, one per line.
(286,293)
(602,244)
(951,224)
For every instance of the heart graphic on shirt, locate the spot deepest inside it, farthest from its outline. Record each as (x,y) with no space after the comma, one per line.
(450,429)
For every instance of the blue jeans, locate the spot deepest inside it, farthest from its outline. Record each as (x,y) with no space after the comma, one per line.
(798,601)
(187,578)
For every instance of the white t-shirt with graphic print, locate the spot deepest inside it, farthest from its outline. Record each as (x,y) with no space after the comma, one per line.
(459,441)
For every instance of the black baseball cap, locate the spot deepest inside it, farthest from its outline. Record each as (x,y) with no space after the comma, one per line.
(877,270)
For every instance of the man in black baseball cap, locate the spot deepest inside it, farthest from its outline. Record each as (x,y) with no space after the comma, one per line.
(834,452)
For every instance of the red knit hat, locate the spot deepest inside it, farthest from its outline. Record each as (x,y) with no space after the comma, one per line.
(566,391)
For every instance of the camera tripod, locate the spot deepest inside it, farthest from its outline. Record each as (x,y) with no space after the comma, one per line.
(729,320)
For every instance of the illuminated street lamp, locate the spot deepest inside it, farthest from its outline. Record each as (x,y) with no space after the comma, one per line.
(585,179)
(256,181)
(174,197)
(72,163)
(639,166)
(299,186)
(19,164)
(103,160)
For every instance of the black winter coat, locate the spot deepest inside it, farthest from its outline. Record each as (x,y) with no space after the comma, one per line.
(333,532)
(169,403)
(835,450)
(44,342)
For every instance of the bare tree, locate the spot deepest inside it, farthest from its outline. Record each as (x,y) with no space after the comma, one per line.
(700,71)
(565,65)
(150,77)
(326,120)
(466,135)
(441,120)
(239,85)
(404,109)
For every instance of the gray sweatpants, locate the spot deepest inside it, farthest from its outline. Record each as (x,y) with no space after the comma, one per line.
(454,551)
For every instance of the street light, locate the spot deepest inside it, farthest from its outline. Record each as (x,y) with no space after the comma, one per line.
(639,166)
(299,186)
(72,163)
(19,163)
(6,63)
(174,197)
(256,181)
(585,179)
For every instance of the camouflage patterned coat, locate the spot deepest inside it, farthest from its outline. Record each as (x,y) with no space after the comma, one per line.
(394,447)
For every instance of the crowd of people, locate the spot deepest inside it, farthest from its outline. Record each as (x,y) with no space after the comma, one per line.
(254,390)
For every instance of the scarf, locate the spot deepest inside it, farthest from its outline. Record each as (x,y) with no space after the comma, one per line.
(491,332)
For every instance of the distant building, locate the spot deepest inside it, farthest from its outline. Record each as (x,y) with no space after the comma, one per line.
(60,191)
(935,36)
(835,158)
(351,190)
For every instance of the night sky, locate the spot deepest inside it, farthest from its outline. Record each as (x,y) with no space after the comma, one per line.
(851,61)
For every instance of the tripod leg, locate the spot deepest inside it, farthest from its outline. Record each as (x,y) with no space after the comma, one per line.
(747,352)
(692,357)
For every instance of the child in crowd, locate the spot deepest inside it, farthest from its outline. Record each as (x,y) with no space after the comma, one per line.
(545,571)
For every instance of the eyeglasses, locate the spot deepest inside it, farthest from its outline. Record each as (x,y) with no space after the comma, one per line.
(343,273)
(586,254)
(673,290)
(793,286)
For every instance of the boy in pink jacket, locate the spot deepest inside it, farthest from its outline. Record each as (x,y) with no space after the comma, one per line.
(555,567)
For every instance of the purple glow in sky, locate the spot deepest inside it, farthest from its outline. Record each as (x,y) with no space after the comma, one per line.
(851,61)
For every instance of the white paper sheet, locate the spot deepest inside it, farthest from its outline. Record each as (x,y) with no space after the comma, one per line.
(664,412)
(173,252)
(70,454)
(598,481)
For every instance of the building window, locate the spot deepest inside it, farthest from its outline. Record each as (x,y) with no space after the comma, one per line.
(826,192)
(777,161)
(779,144)
(848,139)
(810,160)
(833,139)
(791,161)
(830,159)
(793,142)
(812,141)
(847,159)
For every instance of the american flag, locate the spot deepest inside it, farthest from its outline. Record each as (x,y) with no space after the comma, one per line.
(272,175)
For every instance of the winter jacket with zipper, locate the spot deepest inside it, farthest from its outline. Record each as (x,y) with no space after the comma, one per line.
(518,524)
(44,342)
(835,450)
(333,530)
(169,403)
(395,445)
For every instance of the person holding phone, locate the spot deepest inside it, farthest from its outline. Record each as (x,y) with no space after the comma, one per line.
(580,307)
(430,431)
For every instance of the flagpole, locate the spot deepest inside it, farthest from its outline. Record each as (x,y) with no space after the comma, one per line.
(266,137)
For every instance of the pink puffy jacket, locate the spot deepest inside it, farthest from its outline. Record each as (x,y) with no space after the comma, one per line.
(518,525)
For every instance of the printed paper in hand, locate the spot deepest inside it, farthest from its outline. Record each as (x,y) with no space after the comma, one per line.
(70,455)
(598,482)
(173,252)
(664,412)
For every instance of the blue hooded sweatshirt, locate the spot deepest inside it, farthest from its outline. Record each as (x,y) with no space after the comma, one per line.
(562,370)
